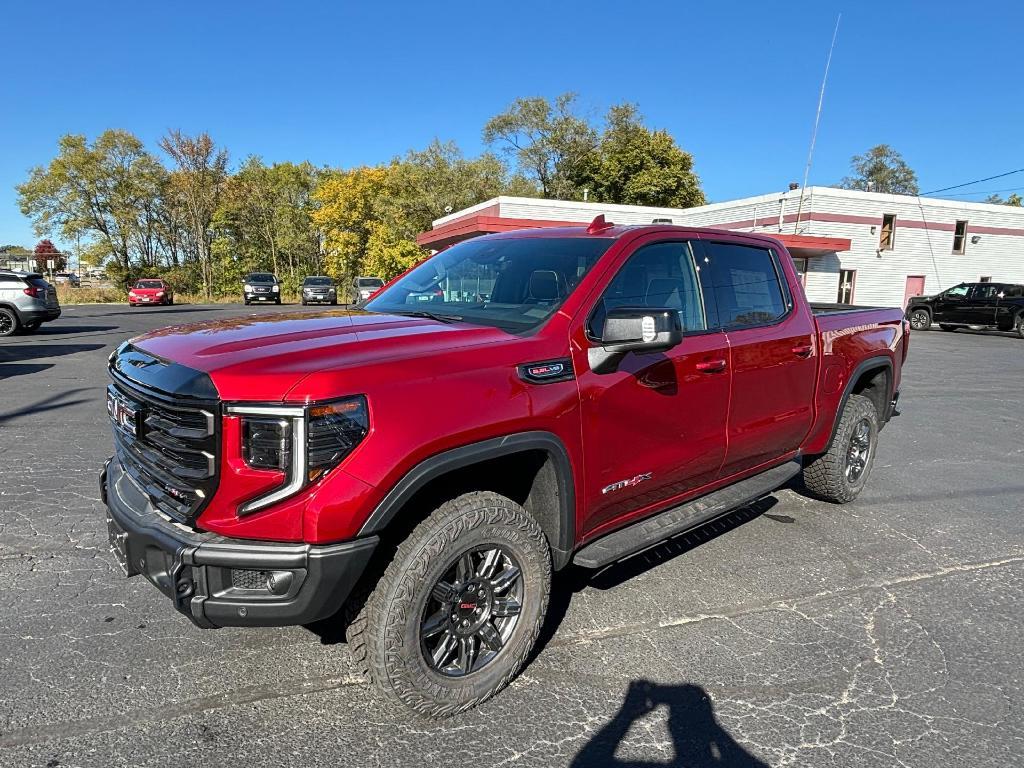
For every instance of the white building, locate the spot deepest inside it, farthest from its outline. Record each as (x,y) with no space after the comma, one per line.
(852,247)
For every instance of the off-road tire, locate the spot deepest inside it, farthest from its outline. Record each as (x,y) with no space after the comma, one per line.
(9,324)
(920,320)
(947,327)
(384,636)
(826,476)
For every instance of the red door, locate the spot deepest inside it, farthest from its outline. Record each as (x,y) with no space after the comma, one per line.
(915,287)
(655,428)
(772,352)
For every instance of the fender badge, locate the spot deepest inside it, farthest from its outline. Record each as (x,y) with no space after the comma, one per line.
(636,480)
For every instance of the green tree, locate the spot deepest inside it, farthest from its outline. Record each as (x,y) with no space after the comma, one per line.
(547,139)
(881,169)
(265,220)
(634,165)
(195,187)
(101,192)
(425,185)
(1014,199)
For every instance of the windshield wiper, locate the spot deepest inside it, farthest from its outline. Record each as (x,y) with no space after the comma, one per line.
(430,315)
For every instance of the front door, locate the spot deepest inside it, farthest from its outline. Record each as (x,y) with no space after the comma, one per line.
(654,429)
(915,287)
(949,305)
(772,352)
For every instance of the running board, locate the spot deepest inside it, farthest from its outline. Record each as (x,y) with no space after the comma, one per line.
(650,531)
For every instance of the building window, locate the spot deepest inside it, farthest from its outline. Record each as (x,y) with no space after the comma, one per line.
(847,282)
(888,239)
(960,237)
(801,270)
(985,279)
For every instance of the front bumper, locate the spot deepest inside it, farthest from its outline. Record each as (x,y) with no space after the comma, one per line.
(217,581)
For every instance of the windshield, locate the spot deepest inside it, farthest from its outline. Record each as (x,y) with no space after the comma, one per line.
(369,282)
(318,281)
(261,277)
(149,284)
(514,284)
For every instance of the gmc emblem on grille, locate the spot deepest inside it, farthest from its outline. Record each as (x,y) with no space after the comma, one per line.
(122,415)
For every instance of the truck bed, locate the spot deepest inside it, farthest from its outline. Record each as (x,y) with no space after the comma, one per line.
(823,308)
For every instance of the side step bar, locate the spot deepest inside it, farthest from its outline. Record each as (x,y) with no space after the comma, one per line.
(650,531)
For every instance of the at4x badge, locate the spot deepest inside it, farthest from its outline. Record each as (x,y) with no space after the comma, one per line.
(636,480)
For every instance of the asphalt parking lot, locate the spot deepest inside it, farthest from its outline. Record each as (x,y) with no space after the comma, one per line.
(887,632)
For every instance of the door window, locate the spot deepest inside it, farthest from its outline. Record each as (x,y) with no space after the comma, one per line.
(744,283)
(957,291)
(847,281)
(985,291)
(657,276)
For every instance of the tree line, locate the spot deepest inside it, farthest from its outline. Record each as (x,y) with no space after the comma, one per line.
(186,213)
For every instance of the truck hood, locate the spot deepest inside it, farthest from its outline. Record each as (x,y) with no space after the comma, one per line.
(263,357)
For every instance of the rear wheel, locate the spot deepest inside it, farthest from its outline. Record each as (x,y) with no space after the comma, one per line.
(920,320)
(839,475)
(459,607)
(8,322)
(946,327)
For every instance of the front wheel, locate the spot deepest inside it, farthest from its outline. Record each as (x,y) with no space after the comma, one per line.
(840,474)
(459,607)
(920,320)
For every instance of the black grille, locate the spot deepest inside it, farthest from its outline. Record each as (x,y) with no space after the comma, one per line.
(245,579)
(172,453)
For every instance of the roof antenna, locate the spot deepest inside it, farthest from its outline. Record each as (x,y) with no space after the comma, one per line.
(817,119)
(599,225)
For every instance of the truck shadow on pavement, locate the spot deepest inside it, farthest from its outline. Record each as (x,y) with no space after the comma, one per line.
(698,739)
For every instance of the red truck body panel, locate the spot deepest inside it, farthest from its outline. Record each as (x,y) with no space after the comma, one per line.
(720,406)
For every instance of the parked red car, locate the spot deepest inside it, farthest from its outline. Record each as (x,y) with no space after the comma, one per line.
(513,404)
(150,291)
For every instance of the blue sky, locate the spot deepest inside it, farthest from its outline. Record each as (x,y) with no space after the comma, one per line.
(346,84)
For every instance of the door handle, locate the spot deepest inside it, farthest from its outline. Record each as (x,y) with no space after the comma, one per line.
(803,350)
(711,366)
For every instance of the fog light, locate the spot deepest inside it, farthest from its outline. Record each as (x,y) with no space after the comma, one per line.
(279,582)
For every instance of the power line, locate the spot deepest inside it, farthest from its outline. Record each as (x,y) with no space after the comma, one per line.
(976,181)
(989,192)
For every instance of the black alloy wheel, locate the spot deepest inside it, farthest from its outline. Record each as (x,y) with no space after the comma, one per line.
(920,320)
(858,450)
(472,611)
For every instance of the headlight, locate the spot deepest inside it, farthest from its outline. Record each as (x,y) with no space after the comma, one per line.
(304,442)
(159,293)
(276,289)
(131,294)
(247,288)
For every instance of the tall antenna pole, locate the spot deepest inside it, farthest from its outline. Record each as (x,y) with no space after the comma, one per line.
(817,119)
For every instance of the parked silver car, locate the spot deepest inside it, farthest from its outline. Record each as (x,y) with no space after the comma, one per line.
(362,288)
(26,302)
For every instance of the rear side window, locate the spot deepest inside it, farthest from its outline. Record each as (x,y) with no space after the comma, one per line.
(658,276)
(743,282)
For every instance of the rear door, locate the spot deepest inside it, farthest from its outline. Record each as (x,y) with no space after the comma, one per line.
(655,428)
(979,308)
(772,351)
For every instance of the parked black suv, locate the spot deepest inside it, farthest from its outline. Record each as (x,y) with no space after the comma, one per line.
(998,306)
(261,286)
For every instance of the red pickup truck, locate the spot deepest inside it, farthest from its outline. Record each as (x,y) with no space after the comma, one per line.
(513,404)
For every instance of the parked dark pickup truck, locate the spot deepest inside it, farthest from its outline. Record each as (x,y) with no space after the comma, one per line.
(997,306)
(513,404)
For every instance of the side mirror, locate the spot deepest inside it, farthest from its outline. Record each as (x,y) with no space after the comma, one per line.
(634,330)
